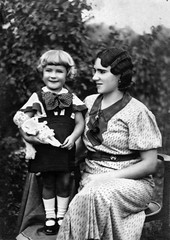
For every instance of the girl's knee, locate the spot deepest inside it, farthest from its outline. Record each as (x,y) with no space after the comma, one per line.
(64,183)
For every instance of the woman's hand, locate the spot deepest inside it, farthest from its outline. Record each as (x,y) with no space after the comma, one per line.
(94,178)
(87,178)
(141,169)
(30,138)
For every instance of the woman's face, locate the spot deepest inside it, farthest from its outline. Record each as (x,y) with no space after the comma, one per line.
(105,81)
(54,77)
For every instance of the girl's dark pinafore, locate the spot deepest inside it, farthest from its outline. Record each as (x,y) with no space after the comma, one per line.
(50,158)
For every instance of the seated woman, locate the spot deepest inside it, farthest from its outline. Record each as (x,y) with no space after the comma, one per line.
(122,137)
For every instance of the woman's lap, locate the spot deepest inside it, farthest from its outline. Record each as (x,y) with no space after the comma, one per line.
(104,210)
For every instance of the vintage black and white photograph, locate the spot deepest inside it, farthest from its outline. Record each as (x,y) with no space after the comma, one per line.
(85,120)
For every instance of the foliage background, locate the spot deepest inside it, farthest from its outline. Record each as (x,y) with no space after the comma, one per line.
(30,27)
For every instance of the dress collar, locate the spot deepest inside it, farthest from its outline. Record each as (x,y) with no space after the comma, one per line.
(110,111)
(98,119)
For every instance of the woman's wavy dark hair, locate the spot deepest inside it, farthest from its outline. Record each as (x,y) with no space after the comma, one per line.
(121,64)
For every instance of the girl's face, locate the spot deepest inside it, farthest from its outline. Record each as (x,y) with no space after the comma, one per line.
(105,81)
(54,77)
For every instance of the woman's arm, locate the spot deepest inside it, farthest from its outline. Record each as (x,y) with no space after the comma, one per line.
(145,167)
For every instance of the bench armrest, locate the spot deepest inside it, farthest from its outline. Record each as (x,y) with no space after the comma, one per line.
(164,157)
(166,196)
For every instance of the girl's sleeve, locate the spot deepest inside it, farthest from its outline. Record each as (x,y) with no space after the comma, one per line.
(78,105)
(32,105)
(144,133)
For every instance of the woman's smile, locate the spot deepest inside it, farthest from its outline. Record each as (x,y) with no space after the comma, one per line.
(99,84)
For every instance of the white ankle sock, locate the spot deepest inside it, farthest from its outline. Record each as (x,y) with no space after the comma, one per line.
(49,207)
(62,204)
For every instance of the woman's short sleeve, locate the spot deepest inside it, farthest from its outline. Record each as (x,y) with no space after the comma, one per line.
(144,133)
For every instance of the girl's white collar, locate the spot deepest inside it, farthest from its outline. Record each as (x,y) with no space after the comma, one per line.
(63,90)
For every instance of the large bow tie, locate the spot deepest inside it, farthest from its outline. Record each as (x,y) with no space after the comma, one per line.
(52,100)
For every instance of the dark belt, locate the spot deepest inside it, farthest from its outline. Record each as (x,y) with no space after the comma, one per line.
(102,156)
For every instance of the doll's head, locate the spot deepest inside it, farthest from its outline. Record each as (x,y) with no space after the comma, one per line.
(121,64)
(57,58)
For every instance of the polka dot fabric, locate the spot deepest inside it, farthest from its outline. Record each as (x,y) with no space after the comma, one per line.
(132,128)
(111,210)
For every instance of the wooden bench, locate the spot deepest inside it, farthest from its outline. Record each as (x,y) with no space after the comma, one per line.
(161,212)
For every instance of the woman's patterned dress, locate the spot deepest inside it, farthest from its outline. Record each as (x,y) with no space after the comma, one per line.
(113,209)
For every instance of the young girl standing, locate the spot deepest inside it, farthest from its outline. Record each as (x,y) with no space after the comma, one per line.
(62,111)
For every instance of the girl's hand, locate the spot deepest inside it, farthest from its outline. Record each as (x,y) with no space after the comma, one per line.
(30,138)
(33,139)
(68,143)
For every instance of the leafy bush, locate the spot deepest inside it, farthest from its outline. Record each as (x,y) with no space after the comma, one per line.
(12,172)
